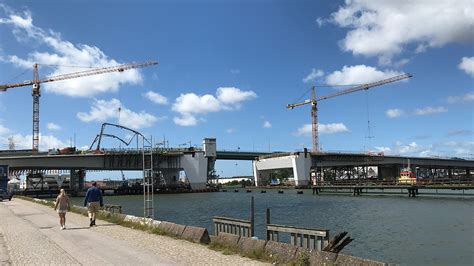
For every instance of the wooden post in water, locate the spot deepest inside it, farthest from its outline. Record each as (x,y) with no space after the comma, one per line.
(267,218)
(252,216)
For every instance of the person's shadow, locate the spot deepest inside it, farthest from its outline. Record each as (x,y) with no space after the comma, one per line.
(87,227)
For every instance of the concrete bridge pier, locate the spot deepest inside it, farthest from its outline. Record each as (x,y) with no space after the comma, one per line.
(77,179)
(300,162)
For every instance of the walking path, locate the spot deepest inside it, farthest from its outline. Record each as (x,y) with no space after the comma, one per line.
(30,234)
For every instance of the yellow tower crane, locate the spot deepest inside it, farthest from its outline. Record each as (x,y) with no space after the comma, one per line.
(35,83)
(314,102)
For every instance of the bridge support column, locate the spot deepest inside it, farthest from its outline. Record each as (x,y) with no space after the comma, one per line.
(195,167)
(77,178)
(299,162)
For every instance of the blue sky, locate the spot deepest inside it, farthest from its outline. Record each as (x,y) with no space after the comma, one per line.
(227,69)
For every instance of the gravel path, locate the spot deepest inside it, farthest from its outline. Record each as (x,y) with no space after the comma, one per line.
(31,235)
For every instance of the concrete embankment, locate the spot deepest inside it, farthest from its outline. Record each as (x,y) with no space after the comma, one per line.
(30,234)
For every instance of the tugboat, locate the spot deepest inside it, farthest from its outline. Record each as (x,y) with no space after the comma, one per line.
(407,176)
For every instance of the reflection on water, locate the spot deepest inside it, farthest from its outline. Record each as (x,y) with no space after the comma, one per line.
(398,229)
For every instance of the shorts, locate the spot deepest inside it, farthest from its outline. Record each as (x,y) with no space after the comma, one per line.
(61,211)
(93,207)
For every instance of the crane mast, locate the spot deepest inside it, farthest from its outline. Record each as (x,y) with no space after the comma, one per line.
(36,93)
(314,103)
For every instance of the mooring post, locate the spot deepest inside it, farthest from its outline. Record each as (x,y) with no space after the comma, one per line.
(252,217)
(267,219)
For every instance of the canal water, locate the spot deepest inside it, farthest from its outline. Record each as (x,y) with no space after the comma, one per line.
(396,229)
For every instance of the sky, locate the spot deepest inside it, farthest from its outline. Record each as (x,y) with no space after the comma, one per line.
(227,69)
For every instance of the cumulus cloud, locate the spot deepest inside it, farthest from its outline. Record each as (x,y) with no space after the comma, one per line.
(59,54)
(156,97)
(359,74)
(392,113)
(102,111)
(468,97)
(315,73)
(25,141)
(267,124)
(333,128)
(233,97)
(467,64)
(386,28)
(431,110)
(190,104)
(53,126)
(185,120)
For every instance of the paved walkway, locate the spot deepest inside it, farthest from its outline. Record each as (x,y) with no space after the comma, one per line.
(30,235)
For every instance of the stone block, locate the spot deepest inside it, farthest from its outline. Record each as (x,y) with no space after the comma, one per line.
(247,244)
(196,234)
(172,228)
(227,239)
(322,258)
(346,260)
(280,252)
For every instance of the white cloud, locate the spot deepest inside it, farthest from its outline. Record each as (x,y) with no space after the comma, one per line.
(190,104)
(431,110)
(4,130)
(468,97)
(267,124)
(359,74)
(315,73)
(452,148)
(185,120)
(386,28)
(230,130)
(321,22)
(102,111)
(392,113)
(53,126)
(156,97)
(25,142)
(467,64)
(385,150)
(305,130)
(61,53)
(332,128)
(235,71)
(322,129)
(233,96)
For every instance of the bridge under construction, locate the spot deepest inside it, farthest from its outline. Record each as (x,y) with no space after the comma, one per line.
(198,165)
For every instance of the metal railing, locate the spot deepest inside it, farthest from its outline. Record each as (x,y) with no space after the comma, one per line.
(112,208)
(232,226)
(314,239)
(377,182)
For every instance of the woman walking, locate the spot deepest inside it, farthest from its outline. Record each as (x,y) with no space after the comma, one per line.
(62,206)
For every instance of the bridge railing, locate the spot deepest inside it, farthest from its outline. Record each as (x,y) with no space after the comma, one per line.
(232,226)
(377,182)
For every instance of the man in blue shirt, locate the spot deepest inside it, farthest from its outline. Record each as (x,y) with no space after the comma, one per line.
(93,200)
